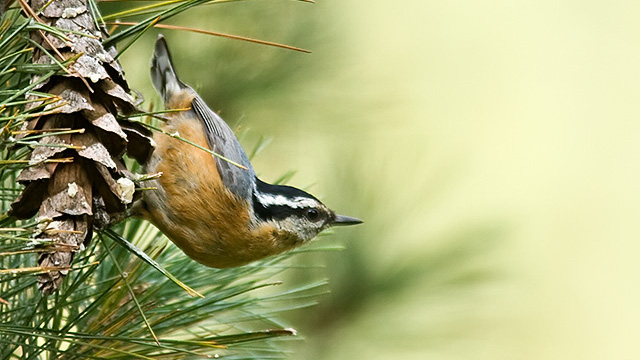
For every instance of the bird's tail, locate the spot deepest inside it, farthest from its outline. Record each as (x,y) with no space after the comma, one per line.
(163,75)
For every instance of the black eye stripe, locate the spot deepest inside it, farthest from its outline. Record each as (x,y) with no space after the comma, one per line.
(277,212)
(281,212)
(276,202)
(273,212)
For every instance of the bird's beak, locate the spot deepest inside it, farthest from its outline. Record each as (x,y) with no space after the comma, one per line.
(343,220)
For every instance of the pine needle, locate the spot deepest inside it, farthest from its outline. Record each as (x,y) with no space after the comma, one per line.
(177,136)
(131,293)
(213,33)
(143,256)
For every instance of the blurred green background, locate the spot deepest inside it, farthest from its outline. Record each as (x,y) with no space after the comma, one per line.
(490,146)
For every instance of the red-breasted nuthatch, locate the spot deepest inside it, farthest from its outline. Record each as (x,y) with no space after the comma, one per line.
(219,214)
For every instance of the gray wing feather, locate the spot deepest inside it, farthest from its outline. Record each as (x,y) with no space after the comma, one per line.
(209,119)
(223,141)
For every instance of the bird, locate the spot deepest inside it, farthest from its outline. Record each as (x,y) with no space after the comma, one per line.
(215,208)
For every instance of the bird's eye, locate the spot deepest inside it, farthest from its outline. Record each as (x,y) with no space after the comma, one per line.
(313,214)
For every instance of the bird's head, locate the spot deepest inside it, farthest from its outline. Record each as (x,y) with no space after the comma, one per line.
(294,211)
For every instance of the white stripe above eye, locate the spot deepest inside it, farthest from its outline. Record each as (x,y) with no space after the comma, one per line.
(280,200)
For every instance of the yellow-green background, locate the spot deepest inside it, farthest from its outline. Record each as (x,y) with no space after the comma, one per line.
(492,148)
